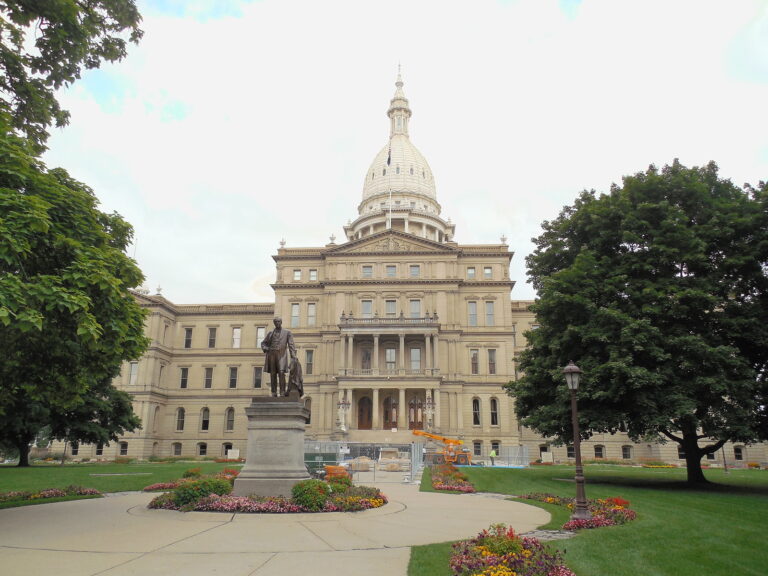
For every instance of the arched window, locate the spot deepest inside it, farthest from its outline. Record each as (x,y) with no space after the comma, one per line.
(205,419)
(599,451)
(226,447)
(176,448)
(411,170)
(202,449)
(397,169)
(155,418)
(494,412)
(308,406)
(229,419)
(180,419)
(384,172)
(475,411)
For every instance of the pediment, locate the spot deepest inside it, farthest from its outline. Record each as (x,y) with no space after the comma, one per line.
(390,242)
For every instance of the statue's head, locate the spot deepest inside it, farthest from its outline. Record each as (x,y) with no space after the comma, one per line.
(277,321)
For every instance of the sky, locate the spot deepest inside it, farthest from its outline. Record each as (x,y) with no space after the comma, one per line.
(234,125)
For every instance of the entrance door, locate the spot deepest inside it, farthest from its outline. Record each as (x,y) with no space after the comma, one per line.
(390,413)
(364,414)
(415,415)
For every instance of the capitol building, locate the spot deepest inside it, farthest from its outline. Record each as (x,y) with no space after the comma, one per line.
(398,327)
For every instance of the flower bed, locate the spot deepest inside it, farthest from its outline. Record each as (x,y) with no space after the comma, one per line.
(498,551)
(309,496)
(24,496)
(448,477)
(605,511)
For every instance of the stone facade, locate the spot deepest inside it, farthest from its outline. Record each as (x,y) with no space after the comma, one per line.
(397,328)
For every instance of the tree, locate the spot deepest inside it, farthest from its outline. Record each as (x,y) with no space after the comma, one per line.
(658,291)
(45,46)
(67,318)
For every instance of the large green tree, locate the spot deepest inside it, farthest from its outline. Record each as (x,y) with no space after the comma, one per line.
(46,44)
(67,318)
(658,291)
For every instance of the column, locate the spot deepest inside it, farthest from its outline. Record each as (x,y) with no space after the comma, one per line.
(402,351)
(375,423)
(343,359)
(350,351)
(428,350)
(406,225)
(402,411)
(459,411)
(436,400)
(436,356)
(376,354)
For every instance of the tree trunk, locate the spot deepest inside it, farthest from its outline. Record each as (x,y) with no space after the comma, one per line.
(23,447)
(693,456)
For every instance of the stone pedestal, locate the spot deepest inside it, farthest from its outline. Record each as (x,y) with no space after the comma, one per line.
(275,456)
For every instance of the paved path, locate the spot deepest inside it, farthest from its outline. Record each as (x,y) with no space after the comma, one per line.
(119,536)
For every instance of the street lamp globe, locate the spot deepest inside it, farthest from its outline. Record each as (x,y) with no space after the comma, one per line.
(572,375)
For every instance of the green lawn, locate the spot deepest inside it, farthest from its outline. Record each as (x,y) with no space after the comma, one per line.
(718,530)
(103,477)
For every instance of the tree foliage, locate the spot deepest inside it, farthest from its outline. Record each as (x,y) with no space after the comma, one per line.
(67,318)
(45,45)
(658,291)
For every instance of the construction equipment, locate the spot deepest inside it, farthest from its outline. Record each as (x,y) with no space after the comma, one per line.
(450,452)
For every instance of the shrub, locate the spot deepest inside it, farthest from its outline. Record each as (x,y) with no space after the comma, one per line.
(188,493)
(311,494)
(340,485)
(753,465)
(192,473)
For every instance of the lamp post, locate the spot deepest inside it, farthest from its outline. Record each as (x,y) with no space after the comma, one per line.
(580,510)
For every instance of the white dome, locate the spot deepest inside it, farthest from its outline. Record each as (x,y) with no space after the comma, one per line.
(407,170)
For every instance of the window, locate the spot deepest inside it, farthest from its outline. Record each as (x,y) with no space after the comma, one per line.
(160,377)
(225,448)
(475,412)
(491,361)
(390,358)
(123,448)
(99,449)
(390,308)
(738,453)
(414,270)
(176,448)
(474,354)
(680,453)
(415,359)
(211,337)
(208,377)
(309,361)
(296,275)
(391,270)
(494,412)
(187,337)
(202,449)
(570,452)
(599,451)
(366,308)
(261,333)
(236,332)
(257,376)
(294,315)
(366,358)
(313,275)
(710,455)
(75,448)
(308,406)
(233,376)
(543,449)
(180,419)
(183,377)
(367,271)
(487,272)
(471,273)
(133,373)
(311,314)
(229,420)
(489,316)
(477,448)
(472,313)
(415,308)
(496,445)
(626,452)
(205,419)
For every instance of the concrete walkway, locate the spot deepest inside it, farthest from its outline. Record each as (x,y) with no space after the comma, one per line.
(118,536)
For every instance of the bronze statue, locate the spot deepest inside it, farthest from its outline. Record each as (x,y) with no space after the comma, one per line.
(280,355)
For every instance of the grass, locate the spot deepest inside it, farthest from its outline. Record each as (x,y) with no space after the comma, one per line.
(103,477)
(680,531)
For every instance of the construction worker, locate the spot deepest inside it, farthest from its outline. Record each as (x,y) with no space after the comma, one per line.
(493,457)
